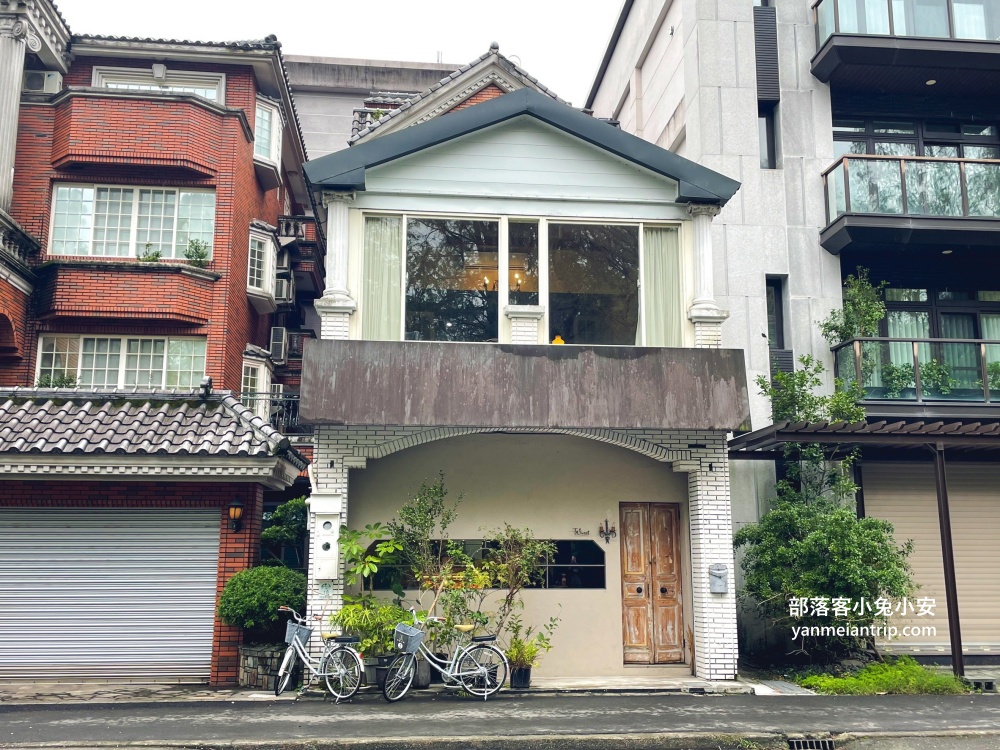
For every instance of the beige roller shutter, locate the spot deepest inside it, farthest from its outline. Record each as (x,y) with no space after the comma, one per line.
(107,593)
(904,493)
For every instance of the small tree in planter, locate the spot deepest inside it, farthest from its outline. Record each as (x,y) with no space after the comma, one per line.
(524,646)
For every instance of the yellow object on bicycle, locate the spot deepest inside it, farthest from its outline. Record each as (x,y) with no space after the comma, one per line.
(465,628)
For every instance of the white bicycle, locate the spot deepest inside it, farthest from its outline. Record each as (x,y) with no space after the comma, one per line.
(479,667)
(340,665)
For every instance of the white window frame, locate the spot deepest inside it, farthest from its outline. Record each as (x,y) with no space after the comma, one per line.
(279,342)
(503,286)
(261,405)
(134,249)
(277,126)
(122,355)
(172,81)
(270,262)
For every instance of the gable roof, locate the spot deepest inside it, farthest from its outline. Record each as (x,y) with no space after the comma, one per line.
(136,423)
(466,80)
(345,170)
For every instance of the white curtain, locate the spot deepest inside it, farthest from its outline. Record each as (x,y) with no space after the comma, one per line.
(904,324)
(990,323)
(970,19)
(662,287)
(381,300)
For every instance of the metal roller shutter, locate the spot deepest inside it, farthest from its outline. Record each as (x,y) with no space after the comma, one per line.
(904,494)
(107,593)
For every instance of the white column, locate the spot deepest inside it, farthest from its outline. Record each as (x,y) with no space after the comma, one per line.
(711,522)
(336,305)
(705,312)
(14,40)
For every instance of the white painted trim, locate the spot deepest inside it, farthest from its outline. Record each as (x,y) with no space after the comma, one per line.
(174,78)
(277,129)
(134,227)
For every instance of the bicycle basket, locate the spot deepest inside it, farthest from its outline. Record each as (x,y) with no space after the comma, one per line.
(408,638)
(300,633)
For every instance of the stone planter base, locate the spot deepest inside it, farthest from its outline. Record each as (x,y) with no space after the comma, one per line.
(259,666)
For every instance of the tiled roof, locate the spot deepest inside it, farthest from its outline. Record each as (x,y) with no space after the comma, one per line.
(150,422)
(365,127)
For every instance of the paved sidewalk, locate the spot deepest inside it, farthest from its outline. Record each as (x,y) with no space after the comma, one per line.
(97,693)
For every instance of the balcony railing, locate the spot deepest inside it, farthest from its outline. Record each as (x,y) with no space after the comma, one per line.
(921,370)
(934,19)
(913,186)
(280,409)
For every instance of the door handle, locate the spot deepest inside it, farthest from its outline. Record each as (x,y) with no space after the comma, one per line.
(664,590)
(638,589)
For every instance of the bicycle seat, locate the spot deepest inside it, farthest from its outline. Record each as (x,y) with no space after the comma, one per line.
(483,638)
(465,628)
(346,639)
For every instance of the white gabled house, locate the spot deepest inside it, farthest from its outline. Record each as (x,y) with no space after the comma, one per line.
(463,248)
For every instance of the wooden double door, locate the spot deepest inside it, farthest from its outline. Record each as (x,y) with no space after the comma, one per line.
(652,612)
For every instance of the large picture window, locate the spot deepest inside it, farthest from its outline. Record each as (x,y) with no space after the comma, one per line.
(594,284)
(117,362)
(450,279)
(122,222)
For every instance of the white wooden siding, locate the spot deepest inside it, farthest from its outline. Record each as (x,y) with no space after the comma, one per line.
(905,495)
(521,158)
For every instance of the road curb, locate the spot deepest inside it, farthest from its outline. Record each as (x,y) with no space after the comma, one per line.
(647,741)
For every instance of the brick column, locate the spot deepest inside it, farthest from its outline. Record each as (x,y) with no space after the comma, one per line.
(705,312)
(710,509)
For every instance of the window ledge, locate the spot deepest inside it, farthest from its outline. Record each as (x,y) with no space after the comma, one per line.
(532,312)
(268,173)
(131,264)
(262,301)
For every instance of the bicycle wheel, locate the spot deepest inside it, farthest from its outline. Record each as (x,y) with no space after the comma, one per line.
(399,677)
(342,670)
(482,670)
(285,671)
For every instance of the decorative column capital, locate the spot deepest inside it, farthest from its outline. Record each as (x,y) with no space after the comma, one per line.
(38,24)
(330,198)
(703,209)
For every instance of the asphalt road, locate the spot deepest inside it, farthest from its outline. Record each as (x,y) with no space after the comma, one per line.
(506,715)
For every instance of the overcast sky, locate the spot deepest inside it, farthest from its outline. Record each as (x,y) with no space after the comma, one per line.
(560,42)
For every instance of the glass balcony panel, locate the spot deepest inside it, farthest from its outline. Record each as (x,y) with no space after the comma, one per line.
(983,182)
(836,197)
(970,19)
(933,189)
(844,363)
(876,186)
(825,20)
(993,370)
(887,370)
(927,18)
(950,372)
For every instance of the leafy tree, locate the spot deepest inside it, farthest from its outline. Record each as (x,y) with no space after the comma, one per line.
(812,545)
(862,311)
(287,527)
(197,253)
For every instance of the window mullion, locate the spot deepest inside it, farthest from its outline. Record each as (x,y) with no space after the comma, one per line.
(503,272)
(122,361)
(166,359)
(402,286)
(134,229)
(543,275)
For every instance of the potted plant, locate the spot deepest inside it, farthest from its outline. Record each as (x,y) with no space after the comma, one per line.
(524,646)
(250,600)
(374,622)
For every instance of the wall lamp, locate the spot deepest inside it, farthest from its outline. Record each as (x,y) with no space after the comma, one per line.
(607,531)
(235,515)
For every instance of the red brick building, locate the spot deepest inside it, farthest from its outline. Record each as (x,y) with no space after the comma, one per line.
(155,229)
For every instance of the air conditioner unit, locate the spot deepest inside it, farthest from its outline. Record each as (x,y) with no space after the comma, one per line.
(42,81)
(279,344)
(284,290)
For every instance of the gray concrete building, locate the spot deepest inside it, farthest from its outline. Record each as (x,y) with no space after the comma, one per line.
(331,91)
(863,133)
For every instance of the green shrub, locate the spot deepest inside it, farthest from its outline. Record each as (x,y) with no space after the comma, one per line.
(197,253)
(250,600)
(902,676)
(56,381)
(375,622)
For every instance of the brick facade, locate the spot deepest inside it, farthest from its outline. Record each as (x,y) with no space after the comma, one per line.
(237,550)
(101,139)
(483,95)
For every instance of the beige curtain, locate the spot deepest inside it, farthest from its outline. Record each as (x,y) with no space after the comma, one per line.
(381,300)
(662,287)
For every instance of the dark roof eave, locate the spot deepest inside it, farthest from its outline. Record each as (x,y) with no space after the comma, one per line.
(344,170)
(609,52)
